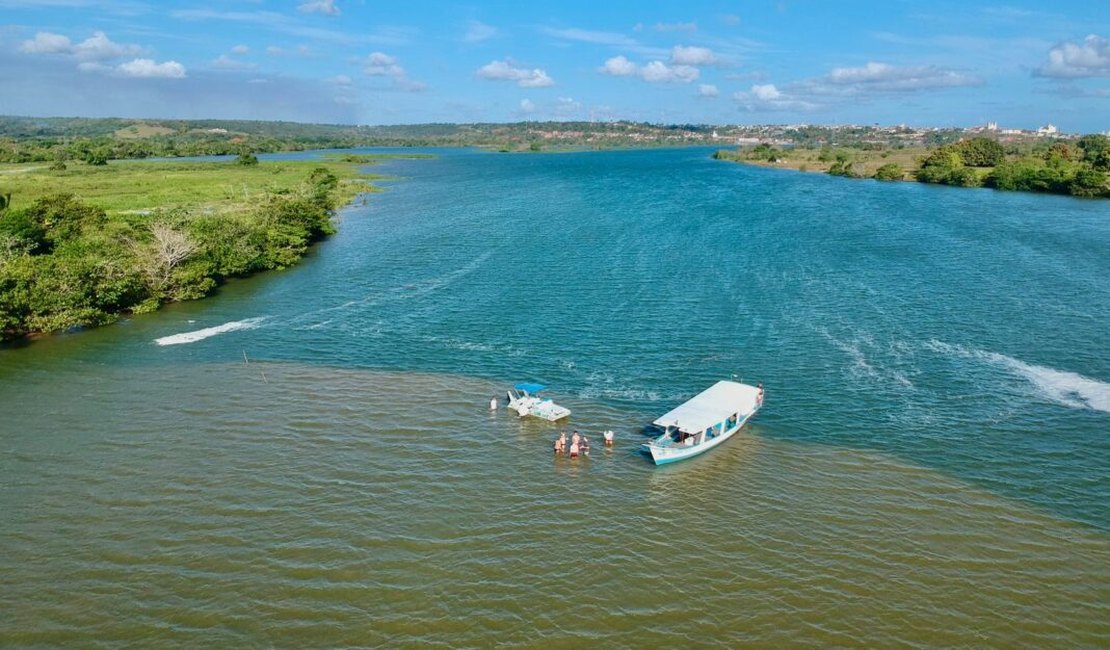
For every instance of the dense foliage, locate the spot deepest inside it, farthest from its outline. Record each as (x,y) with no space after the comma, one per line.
(890,172)
(1057,168)
(1078,167)
(64,263)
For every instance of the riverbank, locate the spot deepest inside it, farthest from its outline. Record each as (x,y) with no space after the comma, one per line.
(1079,169)
(84,245)
(865,163)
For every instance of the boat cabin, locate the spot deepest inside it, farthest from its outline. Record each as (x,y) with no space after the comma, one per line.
(703,421)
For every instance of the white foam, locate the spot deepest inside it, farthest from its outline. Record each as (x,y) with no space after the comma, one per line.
(1060,386)
(198,335)
(1067,388)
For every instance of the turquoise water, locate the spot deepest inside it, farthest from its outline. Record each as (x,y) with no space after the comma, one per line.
(307,458)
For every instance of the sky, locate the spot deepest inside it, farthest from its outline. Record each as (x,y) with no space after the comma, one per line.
(1021,64)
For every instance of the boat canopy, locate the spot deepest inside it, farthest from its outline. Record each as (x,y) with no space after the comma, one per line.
(711,406)
(530,388)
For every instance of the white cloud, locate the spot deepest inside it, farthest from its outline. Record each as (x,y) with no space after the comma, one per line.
(766,98)
(527,106)
(46,43)
(525,78)
(147,68)
(732,20)
(708,90)
(692,56)
(99,47)
(225,62)
(587,36)
(618,66)
(659,72)
(766,92)
(326,7)
(676,27)
(341,80)
(477,31)
(538,79)
(380,64)
(654,72)
(240,49)
(1068,60)
(882,77)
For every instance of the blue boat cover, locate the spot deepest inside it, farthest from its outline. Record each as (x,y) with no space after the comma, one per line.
(530,388)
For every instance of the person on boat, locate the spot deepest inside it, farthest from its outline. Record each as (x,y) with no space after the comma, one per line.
(584,446)
(609,438)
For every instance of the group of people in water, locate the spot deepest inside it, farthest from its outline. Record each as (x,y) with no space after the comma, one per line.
(579,444)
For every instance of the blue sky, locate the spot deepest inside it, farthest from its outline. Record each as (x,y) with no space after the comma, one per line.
(940,63)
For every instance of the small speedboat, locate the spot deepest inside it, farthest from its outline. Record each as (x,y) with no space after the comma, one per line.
(524,400)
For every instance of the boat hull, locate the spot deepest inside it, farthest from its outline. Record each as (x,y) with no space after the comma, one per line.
(663,454)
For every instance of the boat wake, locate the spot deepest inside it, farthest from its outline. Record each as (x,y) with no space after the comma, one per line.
(199,335)
(1060,386)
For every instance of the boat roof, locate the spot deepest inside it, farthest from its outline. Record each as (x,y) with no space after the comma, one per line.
(711,406)
(529,388)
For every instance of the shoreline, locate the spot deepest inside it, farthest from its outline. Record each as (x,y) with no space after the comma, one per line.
(940,166)
(134,236)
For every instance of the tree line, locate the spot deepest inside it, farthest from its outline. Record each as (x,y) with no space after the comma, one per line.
(65,263)
(1078,167)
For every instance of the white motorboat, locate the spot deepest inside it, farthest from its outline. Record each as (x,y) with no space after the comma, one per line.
(524,400)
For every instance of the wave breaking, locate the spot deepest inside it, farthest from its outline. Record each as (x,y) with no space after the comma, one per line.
(199,335)
(1060,386)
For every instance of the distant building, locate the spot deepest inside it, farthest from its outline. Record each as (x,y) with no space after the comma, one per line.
(1048,129)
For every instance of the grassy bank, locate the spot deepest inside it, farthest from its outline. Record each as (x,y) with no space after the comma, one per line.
(142,186)
(84,245)
(865,163)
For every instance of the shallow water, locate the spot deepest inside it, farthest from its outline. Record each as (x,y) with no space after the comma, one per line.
(307,459)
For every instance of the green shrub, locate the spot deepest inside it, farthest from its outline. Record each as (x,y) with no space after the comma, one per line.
(890,172)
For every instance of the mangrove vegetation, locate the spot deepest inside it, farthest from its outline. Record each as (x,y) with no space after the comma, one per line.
(83,246)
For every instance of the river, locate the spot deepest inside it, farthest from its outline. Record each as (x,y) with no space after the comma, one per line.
(307,459)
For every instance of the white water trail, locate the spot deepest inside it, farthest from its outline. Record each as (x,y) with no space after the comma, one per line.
(199,335)
(1060,386)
